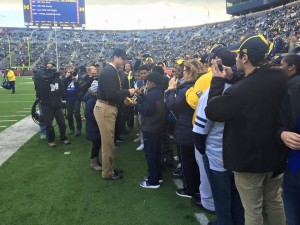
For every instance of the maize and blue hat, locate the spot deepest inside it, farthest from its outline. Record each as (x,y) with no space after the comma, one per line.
(253,45)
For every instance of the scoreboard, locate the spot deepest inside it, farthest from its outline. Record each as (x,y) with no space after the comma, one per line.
(54,13)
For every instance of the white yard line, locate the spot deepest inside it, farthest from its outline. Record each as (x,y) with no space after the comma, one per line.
(23,111)
(3,126)
(3,116)
(15,101)
(23,94)
(13,137)
(2,121)
(202,219)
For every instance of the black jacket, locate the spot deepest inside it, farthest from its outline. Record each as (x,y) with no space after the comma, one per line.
(176,102)
(92,130)
(290,106)
(109,86)
(153,111)
(50,91)
(250,109)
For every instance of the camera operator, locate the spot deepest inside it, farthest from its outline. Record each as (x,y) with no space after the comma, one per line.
(72,91)
(50,91)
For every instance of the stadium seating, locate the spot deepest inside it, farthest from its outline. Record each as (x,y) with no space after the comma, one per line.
(81,47)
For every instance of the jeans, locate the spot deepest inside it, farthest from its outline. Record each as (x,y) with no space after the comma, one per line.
(42,121)
(152,149)
(73,108)
(228,205)
(12,85)
(291,196)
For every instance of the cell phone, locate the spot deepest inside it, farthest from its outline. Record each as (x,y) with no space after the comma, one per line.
(220,64)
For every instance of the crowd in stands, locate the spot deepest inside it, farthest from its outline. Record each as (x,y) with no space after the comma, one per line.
(81,47)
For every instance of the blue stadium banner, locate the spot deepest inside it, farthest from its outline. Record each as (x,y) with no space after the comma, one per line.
(54,13)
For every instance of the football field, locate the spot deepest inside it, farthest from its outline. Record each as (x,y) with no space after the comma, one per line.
(41,185)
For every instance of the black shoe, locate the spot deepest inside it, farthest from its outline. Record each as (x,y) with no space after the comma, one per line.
(114,177)
(210,223)
(118,170)
(183,193)
(196,201)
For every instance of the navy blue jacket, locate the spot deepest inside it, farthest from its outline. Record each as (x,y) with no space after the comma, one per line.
(71,93)
(176,102)
(153,111)
(92,130)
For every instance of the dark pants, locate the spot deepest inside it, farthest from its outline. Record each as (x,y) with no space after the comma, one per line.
(12,85)
(129,116)
(42,121)
(291,197)
(95,149)
(120,122)
(190,169)
(49,115)
(73,109)
(152,148)
(228,205)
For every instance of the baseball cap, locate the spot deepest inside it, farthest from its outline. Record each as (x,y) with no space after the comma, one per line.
(216,47)
(154,77)
(254,45)
(120,53)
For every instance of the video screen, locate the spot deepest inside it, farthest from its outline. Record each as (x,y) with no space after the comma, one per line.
(54,13)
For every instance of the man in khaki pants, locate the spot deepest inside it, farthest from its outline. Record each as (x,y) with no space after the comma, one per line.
(110,94)
(250,109)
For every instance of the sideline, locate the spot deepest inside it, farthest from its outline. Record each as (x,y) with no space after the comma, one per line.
(13,137)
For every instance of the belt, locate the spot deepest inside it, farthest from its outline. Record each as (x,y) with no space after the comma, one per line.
(108,103)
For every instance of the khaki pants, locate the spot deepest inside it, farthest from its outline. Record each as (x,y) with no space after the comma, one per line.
(259,191)
(106,118)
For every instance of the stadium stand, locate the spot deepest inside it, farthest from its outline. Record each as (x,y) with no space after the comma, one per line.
(81,47)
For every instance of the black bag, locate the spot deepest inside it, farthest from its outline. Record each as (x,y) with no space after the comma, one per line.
(5,84)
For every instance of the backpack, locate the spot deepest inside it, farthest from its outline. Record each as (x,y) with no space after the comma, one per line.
(5,84)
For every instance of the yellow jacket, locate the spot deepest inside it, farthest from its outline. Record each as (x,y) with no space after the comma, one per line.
(200,86)
(11,75)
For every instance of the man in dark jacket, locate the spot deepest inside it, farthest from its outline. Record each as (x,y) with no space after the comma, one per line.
(249,109)
(110,94)
(50,91)
(72,91)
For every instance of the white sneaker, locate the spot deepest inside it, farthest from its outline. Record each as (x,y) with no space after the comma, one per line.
(145,184)
(140,148)
(137,139)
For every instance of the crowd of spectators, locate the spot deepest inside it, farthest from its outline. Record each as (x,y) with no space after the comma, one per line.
(81,47)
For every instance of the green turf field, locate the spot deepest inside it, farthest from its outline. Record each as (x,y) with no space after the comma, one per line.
(14,107)
(41,185)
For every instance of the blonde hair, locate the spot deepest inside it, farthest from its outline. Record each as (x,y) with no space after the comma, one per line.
(194,69)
